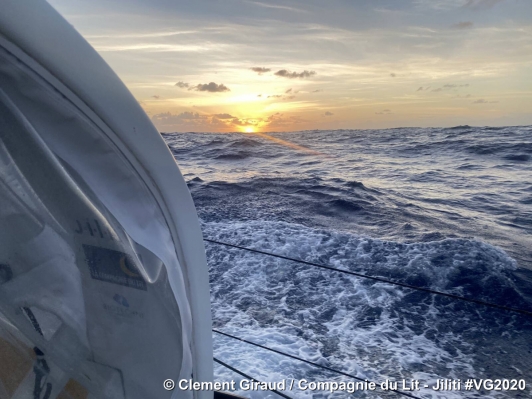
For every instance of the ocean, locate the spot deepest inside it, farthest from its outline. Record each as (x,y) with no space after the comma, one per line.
(448,209)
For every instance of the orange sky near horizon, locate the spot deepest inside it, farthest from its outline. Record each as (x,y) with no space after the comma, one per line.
(286,65)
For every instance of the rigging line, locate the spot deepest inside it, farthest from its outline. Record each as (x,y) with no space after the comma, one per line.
(380,279)
(308,362)
(248,377)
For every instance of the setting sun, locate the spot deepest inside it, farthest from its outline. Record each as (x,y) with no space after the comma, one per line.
(249,129)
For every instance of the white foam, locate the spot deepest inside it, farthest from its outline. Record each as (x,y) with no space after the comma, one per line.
(343,322)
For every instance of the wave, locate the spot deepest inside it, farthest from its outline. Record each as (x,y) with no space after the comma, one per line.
(460,127)
(430,207)
(371,329)
(234,155)
(460,266)
(246,143)
(518,157)
(499,148)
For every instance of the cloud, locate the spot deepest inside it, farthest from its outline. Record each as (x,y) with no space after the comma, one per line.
(284,96)
(446,87)
(260,70)
(191,121)
(245,122)
(481,4)
(182,85)
(420,88)
(210,87)
(223,116)
(384,112)
(196,122)
(156,97)
(278,120)
(463,25)
(327,113)
(316,91)
(294,75)
(167,116)
(273,117)
(482,101)
(266,5)
(456,4)
(393,75)
(259,95)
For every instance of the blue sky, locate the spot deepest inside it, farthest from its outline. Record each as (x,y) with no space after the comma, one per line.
(243,65)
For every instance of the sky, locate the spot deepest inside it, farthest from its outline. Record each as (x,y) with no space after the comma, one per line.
(287,65)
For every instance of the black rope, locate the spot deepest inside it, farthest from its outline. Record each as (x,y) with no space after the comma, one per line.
(40,367)
(33,320)
(308,362)
(380,279)
(248,377)
(42,371)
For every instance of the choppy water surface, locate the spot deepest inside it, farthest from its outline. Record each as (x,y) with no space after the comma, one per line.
(446,209)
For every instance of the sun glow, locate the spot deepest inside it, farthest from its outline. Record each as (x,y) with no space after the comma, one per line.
(249,129)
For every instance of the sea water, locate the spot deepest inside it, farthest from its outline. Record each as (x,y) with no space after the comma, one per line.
(448,209)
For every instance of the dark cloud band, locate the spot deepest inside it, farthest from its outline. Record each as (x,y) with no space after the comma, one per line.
(211,87)
(294,75)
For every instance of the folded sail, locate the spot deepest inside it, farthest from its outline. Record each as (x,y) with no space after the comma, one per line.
(103,280)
